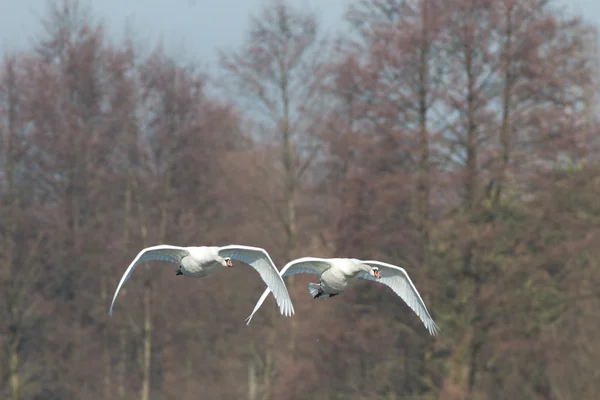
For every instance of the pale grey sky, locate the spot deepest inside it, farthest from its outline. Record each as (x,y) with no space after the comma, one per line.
(198,27)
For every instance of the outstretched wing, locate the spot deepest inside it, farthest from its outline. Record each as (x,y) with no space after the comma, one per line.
(260,260)
(305,265)
(397,279)
(162,252)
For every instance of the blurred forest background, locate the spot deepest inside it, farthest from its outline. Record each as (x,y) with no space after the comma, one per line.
(456,138)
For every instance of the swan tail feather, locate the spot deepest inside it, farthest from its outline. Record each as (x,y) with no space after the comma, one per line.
(314,289)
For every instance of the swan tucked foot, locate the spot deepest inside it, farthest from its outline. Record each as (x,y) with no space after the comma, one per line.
(316,291)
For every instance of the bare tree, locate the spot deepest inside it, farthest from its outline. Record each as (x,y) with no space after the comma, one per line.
(274,70)
(14,310)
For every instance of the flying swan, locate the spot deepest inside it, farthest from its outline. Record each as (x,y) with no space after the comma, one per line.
(201,261)
(338,274)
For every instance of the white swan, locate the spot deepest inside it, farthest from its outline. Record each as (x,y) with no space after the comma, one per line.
(337,274)
(201,261)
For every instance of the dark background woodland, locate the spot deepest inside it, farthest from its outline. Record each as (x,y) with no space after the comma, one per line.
(456,138)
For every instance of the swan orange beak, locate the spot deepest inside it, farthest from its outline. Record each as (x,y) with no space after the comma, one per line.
(376,273)
(229,263)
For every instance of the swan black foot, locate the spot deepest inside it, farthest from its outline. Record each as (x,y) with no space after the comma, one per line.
(178,272)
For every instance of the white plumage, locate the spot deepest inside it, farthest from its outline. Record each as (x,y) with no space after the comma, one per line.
(337,274)
(201,261)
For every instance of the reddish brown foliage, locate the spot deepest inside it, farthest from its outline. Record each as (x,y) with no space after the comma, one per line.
(455,138)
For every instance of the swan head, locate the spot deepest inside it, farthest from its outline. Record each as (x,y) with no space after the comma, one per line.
(227,262)
(374,271)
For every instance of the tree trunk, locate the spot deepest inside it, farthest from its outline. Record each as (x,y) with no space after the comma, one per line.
(424,185)
(15,382)
(591,104)
(147,304)
(267,372)
(471,167)
(149,287)
(122,366)
(10,223)
(290,186)
(170,373)
(147,341)
(189,376)
(106,349)
(251,381)
(291,229)
(470,203)
(476,341)
(268,363)
(506,107)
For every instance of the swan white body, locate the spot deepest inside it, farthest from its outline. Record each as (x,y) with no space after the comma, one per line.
(338,274)
(201,261)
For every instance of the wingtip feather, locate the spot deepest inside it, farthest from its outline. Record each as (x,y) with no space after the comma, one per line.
(433,328)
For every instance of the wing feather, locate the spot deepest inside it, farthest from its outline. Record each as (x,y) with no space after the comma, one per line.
(163,252)
(397,279)
(260,260)
(305,265)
